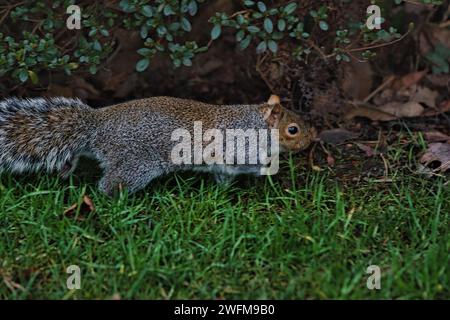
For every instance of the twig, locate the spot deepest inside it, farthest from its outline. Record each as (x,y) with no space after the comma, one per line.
(375,46)
(315,47)
(239,12)
(262,75)
(381,87)
(444,24)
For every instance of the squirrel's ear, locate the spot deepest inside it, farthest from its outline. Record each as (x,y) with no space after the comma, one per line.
(273,100)
(272,111)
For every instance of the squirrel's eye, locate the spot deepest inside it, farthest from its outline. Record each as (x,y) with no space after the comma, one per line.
(292,130)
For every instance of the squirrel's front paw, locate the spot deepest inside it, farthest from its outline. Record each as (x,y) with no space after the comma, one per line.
(110,187)
(223,179)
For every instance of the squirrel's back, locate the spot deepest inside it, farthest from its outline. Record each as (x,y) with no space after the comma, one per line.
(42,133)
(138,126)
(182,112)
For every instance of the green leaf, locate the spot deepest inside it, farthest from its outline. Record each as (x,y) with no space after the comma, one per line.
(144,31)
(346,58)
(240,19)
(268,25)
(186,25)
(240,35)
(323,25)
(272,46)
(176,63)
(281,24)
(161,30)
(97,46)
(262,7)
(168,10)
(147,11)
(262,46)
(72,66)
(142,64)
(33,76)
(290,8)
(144,51)
(23,75)
(246,42)
(253,29)
(187,62)
(249,3)
(216,31)
(126,6)
(193,8)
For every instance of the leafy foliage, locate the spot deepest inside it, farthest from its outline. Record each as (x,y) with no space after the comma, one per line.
(44,43)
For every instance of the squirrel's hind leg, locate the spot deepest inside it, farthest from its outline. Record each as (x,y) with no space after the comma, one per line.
(132,176)
(69,167)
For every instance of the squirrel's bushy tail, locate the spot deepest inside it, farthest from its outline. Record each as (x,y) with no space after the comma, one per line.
(42,133)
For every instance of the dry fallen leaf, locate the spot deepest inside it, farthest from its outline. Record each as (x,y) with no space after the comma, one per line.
(438,152)
(420,94)
(408,80)
(443,107)
(87,206)
(436,136)
(403,110)
(330,160)
(12,285)
(439,80)
(116,296)
(389,111)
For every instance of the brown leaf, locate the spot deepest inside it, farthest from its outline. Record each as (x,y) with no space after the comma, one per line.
(12,285)
(116,296)
(408,80)
(369,112)
(403,110)
(418,94)
(87,206)
(435,136)
(438,152)
(439,80)
(389,111)
(330,160)
(443,107)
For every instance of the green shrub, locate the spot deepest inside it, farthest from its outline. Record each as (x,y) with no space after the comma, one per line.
(43,42)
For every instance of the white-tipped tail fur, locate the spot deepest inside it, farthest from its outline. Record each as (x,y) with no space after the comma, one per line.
(42,133)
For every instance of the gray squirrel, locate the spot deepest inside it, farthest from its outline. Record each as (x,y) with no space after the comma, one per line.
(133,141)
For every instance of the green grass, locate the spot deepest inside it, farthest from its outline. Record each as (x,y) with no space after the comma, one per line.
(306,236)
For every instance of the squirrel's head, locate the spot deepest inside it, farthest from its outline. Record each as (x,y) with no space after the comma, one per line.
(294,134)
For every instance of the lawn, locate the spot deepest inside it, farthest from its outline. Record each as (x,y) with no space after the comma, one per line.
(302,234)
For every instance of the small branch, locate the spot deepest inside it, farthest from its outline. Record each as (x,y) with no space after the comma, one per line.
(381,87)
(315,47)
(375,46)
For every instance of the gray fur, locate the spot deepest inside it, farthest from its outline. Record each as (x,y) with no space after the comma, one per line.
(132,140)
